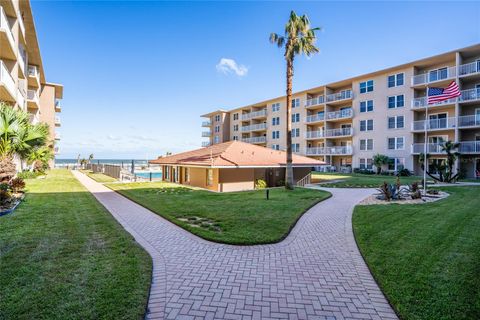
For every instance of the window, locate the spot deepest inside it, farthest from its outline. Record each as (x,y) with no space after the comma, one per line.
(187,174)
(438,74)
(209,177)
(366,106)
(295,102)
(396,164)
(366,86)
(275,121)
(216,139)
(276,107)
(396,143)
(366,125)
(366,163)
(235,127)
(217,129)
(275,134)
(366,144)
(296,132)
(296,147)
(396,122)
(167,172)
(217,118)
(296,117)
(235,116)
(275,146)
(396,101)
(395,80)
(235,137)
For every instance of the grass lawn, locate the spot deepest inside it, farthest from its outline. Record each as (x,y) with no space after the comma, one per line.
(426,258)
(63,256)
(235,218)
(99,177)
(357,180)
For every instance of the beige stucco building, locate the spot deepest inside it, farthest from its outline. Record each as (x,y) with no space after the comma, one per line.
(22,77)
(346,122)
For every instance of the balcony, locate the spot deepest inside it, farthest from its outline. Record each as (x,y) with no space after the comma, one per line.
(315,101)
(56,150)
(470,95)
(319,151)
(21,99)
(338,115)
(339,96)
(57,122)
(255,114)
(434,124)
(7,42)
(58,107)
(206,134)
(434,76)
(7,85)
(206,123)
(57,136)
(469,121)
(33,76)
(22,58)
(315,118)
(205,144)
(21,25)
(254,140)
(255,127)
(421,102)
(32,99)
(469,147)
(315,134)
(340,132)
(468,69)
(433,148)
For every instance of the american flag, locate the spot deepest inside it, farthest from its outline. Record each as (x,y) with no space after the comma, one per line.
(440,94)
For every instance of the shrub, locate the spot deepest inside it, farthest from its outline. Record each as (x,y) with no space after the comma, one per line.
(363,171)
(5,194)
(404,173)
(7,168)
(28,174)
(17,184)
(260,184)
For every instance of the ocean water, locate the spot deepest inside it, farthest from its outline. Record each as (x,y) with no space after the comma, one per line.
(125,162)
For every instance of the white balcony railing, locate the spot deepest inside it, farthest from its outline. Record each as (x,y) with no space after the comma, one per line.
(255,127)
(21,100)
(206,124)
(434,76)
(342,95)
(315,118)
(469,68)
(342,114)
(205,144)
(340,132)
(254,114)
(32,71)
(469,147)
(314,134)
(6,78)
(32,95)
(57,136)
(21,24)
(469,95)
(315,101)
(22,58)
(469,121)
(57,121)
(6,26)
(421,102)
(431,148)
(341,150)
(261,139)
(434,124)
(206,133)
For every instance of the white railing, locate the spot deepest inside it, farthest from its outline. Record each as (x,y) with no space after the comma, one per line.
(32,71)
(254,114)
(342,95)
(6,26)
(434,75)
(434,124)
(342,114)
(32,95)
(315,134)
(253,127)
(338,132)
(205,144)
(341,150)
(22,58)
(206,133)
(261,139)
(21,24)
(469,68)
(57,120)
(315,101)
(315,118)
(431,148)
(21,100)
(421,102)
(6,78)
(305,180)
(469,95)
(469,121)
(469,147)
(57,136)
(206,124)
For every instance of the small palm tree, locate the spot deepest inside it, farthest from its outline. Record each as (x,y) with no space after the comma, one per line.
(39,158)
(299,38)
(380,160)
(90,158)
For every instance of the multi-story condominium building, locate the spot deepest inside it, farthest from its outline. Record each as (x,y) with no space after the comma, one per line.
(346,123)
(22,78)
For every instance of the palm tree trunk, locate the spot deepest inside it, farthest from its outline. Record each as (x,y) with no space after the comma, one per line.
(289,183)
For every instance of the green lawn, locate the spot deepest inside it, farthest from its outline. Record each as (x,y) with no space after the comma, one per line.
(63,256)
(357,180)
(426,258)
(99,177)
(235,218)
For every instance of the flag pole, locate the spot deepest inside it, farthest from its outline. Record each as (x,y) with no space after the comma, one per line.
(425,161)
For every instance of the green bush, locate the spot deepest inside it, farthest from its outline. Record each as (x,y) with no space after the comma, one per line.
(363,171)
(260,184)
(404,173)
(28,174)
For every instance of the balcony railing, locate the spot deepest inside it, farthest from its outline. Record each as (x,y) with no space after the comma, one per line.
(315,134)
(6,79)
(6,26)
(32,95)
(21,100)
(469,147)
(342,114)
(469,95)
(21,24)
(469,68)
(434,124)
(341,150)
(342,95)
(57,136)
(205,144)
(32,71)
(434,76)
(254,114)
(261,139)
(315,118)
(206,123)
(315,101)
(469,121)
(255,127)
(421,102)
(431,148)
(340,132)
(57,151)
(206,133)
(57,121)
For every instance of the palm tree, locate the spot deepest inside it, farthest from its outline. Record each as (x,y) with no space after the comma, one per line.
(380,160)
(90,158)
(299,38)
(39,158)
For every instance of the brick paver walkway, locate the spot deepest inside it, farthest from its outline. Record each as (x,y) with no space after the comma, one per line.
(317,272)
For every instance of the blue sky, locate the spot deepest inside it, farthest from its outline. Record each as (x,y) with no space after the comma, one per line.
(138,75)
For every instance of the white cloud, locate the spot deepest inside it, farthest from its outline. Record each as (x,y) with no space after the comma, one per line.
(229,65)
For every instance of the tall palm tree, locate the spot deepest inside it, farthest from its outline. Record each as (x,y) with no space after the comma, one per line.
(299,38)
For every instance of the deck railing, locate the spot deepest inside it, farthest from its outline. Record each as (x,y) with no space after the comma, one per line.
(314,134)
(315,101)
(342,95)
(338,132)
(469,68)
(469,147)
(469,121)
(434,75)
(342,114)
(315,118)
(434,124)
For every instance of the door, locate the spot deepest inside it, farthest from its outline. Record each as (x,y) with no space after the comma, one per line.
(477,168)
(438,121)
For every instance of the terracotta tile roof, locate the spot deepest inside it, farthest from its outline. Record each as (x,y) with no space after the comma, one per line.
(235,154)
